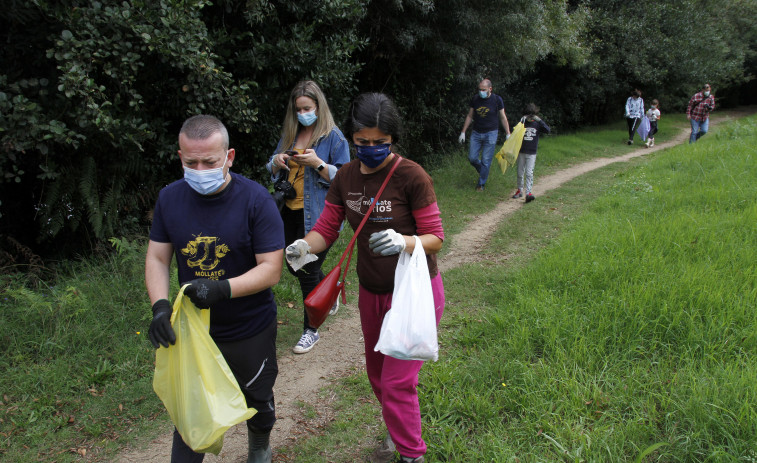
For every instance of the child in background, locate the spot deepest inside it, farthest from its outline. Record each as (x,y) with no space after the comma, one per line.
(653,114)
(527,155)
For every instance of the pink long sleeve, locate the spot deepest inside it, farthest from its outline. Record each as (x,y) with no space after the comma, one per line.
(428,220)
(330,222)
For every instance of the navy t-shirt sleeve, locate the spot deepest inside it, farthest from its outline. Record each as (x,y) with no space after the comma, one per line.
(266,225)
(158,230)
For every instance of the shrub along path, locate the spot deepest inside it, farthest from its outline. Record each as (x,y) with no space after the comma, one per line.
(340,350)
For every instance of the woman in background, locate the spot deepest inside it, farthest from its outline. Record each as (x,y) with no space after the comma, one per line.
(310,151)
(634,113)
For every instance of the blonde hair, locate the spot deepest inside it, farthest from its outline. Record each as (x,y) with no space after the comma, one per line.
(323,125)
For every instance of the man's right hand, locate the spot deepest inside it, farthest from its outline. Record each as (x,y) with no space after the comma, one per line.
(461,138)
(160,332)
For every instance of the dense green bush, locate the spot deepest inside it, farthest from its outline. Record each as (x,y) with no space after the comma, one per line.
(92,93)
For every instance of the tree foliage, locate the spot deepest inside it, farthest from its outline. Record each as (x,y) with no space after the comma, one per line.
(92,93)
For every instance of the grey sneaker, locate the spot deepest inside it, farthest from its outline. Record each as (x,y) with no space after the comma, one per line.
(402,459)
(384,453)
(335,308)
(308,339)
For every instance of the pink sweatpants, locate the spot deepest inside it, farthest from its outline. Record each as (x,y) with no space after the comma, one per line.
(394,381)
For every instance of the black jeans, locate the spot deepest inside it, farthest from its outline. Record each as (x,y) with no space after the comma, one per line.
(633,123)
(311,274)
(652,128)
(253,363)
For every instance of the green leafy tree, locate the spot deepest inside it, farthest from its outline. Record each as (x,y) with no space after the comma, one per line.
(92,95)
(666,49)
(430,56)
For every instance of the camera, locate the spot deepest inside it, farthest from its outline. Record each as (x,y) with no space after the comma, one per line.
(282,189)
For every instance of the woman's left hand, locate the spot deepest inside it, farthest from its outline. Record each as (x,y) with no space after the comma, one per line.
(386,242)
(308,158)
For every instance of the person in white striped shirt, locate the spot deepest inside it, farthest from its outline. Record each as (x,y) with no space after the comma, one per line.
(634,113)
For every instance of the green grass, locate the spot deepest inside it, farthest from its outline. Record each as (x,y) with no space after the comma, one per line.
(618,310)
(614,321)
(635,326)
(77,366)
(455,178)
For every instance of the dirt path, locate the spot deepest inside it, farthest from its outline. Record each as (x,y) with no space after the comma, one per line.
(340,350)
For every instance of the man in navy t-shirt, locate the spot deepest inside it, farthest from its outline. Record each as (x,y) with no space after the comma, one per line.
(227,236)
(486,112)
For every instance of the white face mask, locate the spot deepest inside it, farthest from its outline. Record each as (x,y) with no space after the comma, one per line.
(206,181)
(706,93)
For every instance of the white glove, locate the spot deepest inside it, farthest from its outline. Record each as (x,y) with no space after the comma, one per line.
(461,138)
(298,254)
(386,242)
(507,136)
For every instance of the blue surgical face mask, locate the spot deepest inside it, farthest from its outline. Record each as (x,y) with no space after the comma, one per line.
(206,181)
(373,156)
(483,94)
(307,119)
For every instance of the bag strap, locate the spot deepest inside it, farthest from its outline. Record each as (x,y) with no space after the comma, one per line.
(351,246)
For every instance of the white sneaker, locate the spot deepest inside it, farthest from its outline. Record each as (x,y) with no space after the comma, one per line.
(335,308)
(308,339)
(651,142)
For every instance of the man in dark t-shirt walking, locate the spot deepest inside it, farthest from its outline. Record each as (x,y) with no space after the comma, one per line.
(486,112)
(227,237)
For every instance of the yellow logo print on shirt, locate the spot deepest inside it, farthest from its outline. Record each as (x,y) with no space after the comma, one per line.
(204,252)
(482,111)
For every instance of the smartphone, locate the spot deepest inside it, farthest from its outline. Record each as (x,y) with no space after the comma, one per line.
(291,152)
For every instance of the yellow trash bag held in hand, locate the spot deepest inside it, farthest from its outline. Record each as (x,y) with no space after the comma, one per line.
(508,154)
(195,383)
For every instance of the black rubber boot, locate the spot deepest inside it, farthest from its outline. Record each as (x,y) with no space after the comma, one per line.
(384,453)
(259,447)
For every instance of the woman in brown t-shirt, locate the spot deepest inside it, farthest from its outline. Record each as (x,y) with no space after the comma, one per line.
(406,208)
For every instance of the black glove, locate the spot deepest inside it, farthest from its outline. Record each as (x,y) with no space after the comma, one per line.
(204,292)
(160,331)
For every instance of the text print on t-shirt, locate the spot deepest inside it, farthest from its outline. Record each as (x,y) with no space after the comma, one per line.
(482,111)
(205,253)
(530,133)
(362,204)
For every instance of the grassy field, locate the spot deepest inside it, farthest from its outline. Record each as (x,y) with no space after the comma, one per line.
(614,321)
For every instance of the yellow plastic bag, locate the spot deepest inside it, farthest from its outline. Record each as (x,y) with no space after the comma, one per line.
(195,383)
(508,154)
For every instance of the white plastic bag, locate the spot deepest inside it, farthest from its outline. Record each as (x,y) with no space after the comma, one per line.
(643,128)
(409,328)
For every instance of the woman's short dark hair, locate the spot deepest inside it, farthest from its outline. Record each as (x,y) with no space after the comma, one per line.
(373,110)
